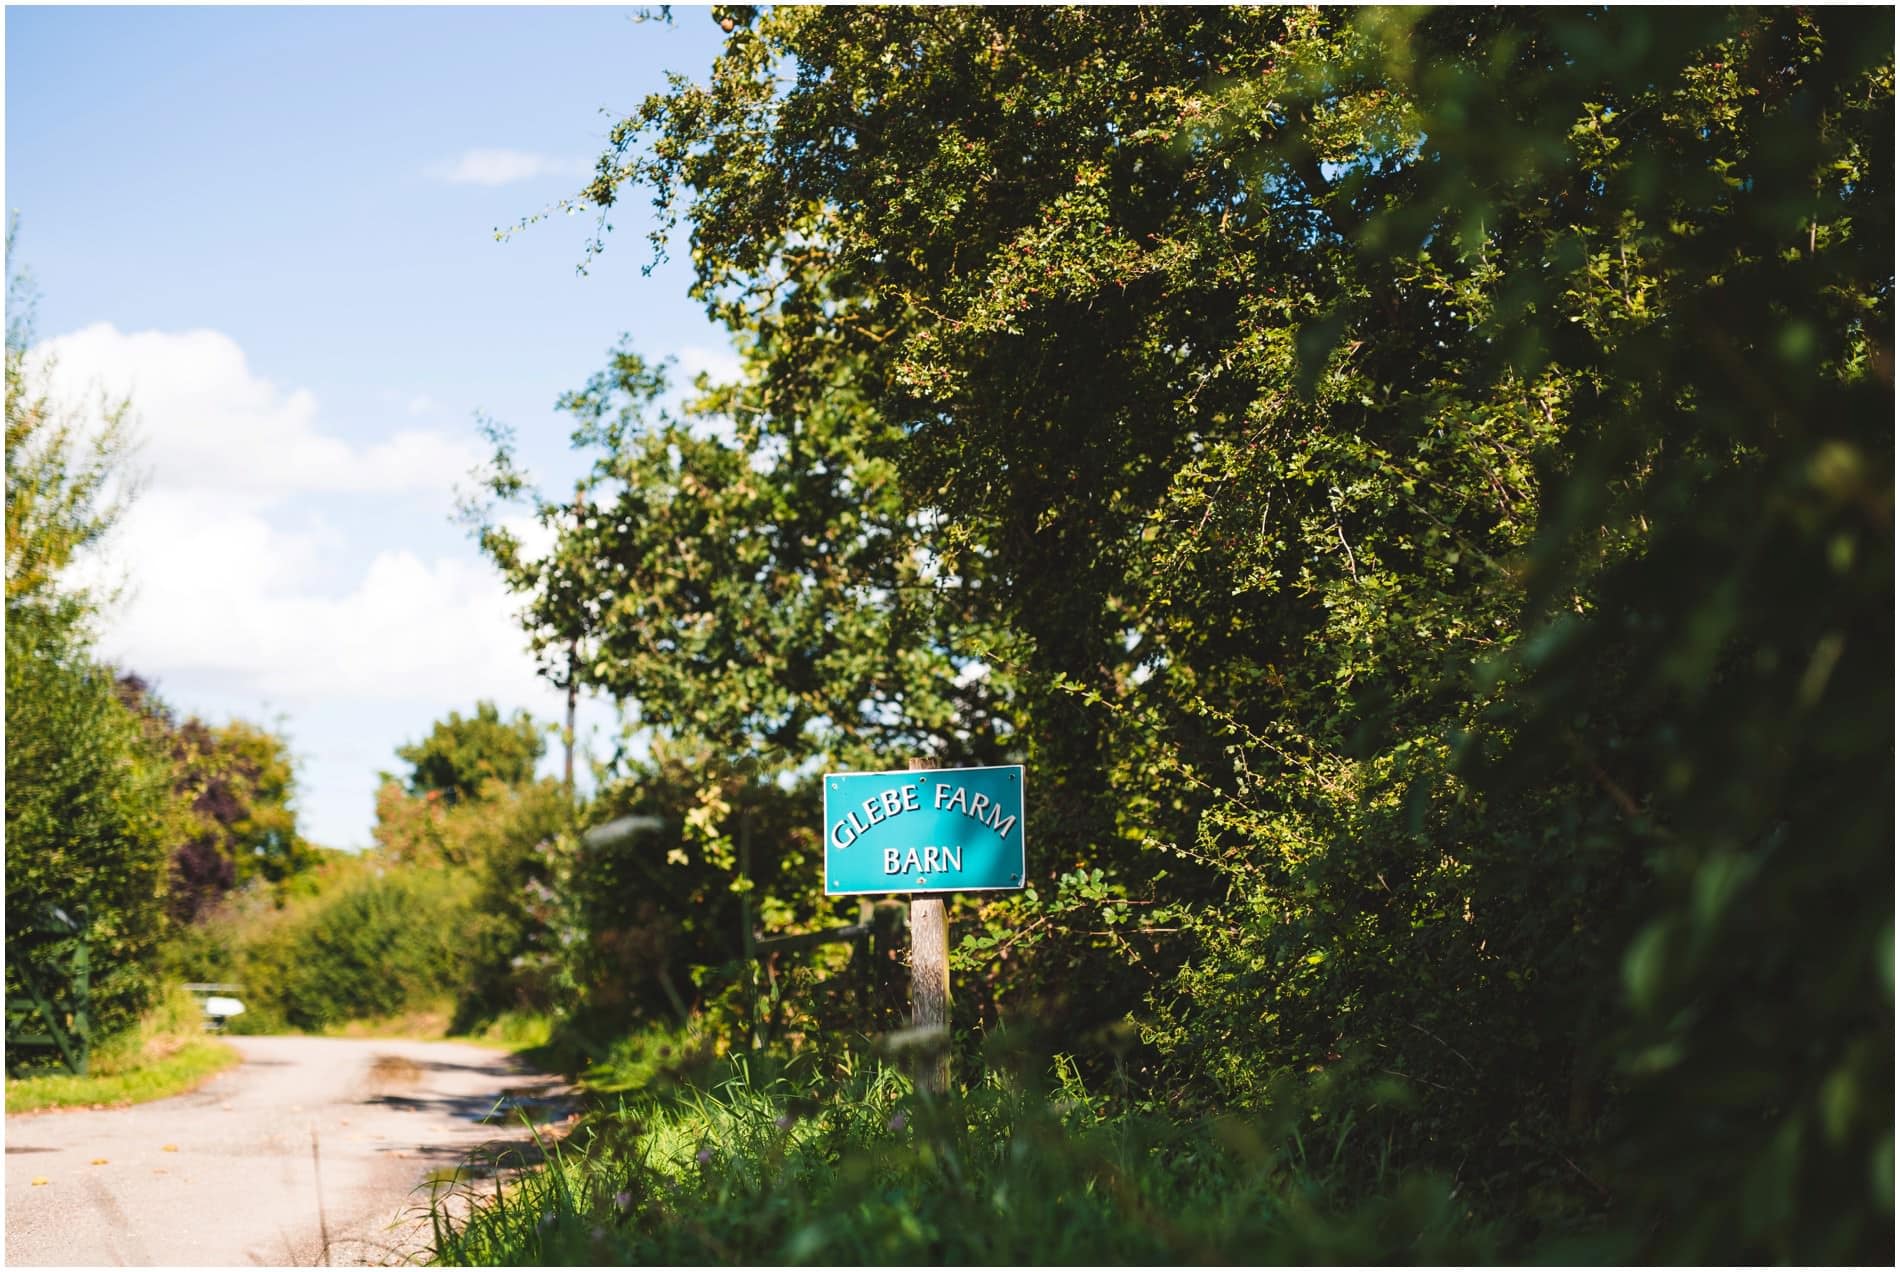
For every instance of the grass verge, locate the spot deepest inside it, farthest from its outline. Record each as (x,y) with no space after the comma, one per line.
(154,1079)
(167,1054)
(751,1163)
(426,1023)
(511,1031)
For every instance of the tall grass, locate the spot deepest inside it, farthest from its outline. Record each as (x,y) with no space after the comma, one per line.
(759,1164)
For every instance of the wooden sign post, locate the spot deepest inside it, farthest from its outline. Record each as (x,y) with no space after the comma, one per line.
(958,830)
(930,979)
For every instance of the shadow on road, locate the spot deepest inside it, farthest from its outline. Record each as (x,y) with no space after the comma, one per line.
(488,1109)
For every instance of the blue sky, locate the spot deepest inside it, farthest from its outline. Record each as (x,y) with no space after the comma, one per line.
(274,228)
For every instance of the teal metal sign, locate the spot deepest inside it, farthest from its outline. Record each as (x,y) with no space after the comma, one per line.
(924,830)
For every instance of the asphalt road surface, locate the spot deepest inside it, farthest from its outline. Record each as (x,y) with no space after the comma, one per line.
(312,1151)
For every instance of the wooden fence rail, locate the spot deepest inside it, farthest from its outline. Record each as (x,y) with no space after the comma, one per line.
(875,973)
(763,945)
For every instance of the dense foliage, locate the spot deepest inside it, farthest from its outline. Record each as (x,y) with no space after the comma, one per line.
(460,754)
(89,807)
(67,478)
(89,815)
(239,784)
(374,943)
(122,822)
(504,843)
(1416,489)
(447,915)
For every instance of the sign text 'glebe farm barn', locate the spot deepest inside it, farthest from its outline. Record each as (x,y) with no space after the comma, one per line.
(934,830)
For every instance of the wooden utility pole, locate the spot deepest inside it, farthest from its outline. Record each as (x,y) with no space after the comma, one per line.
(930,980)
(573,659)
(749,939)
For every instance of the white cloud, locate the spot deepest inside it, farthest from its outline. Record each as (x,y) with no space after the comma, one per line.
(232,562)
(536,539)
(207,423)
(422,404)
(496,167)
(220,590)
(253,579)
(720,364)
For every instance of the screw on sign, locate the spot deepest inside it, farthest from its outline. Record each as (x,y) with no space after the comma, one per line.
(926,829)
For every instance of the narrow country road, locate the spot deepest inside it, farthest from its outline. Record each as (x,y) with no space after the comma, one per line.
(312,1151)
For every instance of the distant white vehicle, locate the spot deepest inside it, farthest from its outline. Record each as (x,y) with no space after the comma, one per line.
(218,1005)
(221,1009)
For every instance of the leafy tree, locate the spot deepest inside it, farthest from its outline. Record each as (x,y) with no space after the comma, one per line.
(768,586)
(67,474)
(1420,484)
(660,913)
(374,942)
(504,846)
(239,782)
(90,816)
(459,754)
(763,602)
(89,811)
(256,802)
(473,811)
(513,938)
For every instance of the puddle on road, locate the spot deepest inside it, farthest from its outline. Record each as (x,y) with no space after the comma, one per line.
(538,1105)
(391,1071)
